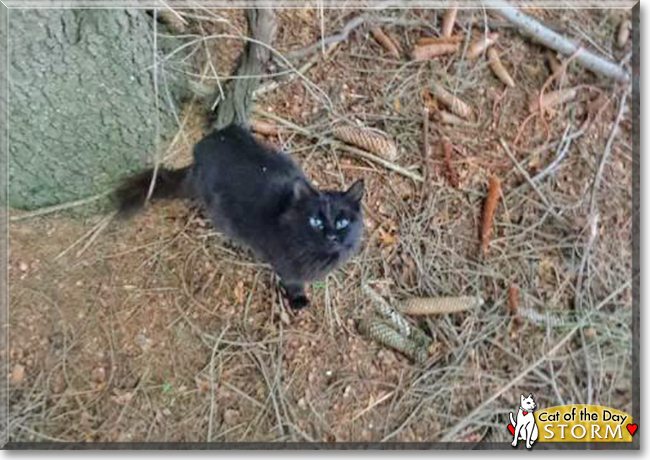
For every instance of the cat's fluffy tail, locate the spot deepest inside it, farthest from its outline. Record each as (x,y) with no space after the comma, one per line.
(131,195)
(512,420)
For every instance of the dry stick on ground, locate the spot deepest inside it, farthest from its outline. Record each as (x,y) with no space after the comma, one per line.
(537,190)
(426,174)
(557,42)
(472,416)
(343,34)
(92,233)
(59,207)
(339,37)
(593,233)
(539,108)
(301,71)
(156,156)
(212,382)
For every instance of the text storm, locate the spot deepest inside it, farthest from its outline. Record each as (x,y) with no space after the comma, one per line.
(583,423)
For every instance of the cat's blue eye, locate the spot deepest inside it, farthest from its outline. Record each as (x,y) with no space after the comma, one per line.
(316,222)
(342,223)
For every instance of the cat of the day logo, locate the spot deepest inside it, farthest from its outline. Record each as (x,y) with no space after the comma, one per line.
(525,427)
(569,423)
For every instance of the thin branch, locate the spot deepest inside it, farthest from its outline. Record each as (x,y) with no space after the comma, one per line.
(557,42)
(59,207)
(606,153)
(339,37)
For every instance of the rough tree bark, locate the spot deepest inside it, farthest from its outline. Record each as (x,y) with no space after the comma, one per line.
(81,102)
(237,103)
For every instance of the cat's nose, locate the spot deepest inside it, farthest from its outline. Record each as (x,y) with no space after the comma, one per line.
(331,237)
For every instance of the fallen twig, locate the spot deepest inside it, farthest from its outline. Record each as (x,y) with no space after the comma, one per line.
(539,193)
(555,41)
(606,153)
(426,172)
(59,207)
(339,37)
(299,72)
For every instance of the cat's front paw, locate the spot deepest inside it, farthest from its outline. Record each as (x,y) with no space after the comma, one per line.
(514,443)
(298,303)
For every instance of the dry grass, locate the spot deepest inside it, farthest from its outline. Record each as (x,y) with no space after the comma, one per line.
(161,330)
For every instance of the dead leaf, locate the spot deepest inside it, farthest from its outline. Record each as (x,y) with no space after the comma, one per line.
(386,238)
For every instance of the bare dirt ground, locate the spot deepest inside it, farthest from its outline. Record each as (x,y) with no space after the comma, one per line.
(159,329)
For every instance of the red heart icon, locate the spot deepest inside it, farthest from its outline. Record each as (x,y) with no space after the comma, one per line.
(512,428)
(632,428)
(525,413)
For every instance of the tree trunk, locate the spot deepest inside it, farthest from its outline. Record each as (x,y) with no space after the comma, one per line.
(238,101)
(81,102)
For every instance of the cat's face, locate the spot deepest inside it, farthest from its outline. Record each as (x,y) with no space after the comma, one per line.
(330,220)
(528,403)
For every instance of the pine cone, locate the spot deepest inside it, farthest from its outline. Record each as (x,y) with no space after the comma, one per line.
(386,335)
(371,141)
(439,305)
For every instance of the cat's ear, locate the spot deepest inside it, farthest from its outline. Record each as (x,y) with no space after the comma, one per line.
(301,190)
(522,398)
(530,395)
(355,192)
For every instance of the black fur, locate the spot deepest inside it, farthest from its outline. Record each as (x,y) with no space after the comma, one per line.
(131,195)
(262,198)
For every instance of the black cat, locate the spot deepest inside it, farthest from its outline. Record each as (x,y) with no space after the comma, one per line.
(263,199)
